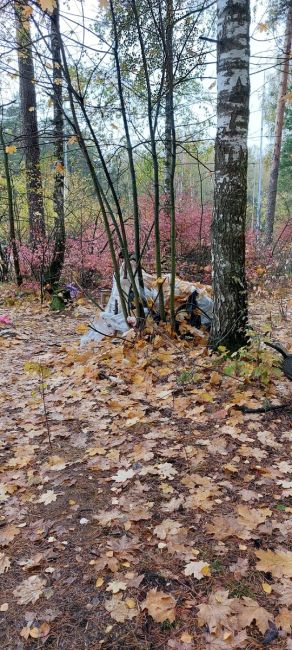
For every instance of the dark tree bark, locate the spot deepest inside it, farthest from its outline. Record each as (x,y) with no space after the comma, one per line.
(29,124)
(230,196)
(58,139)
(12,235)
(281,103)
(170,149)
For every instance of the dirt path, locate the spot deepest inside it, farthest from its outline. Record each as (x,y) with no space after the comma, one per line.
(145,524)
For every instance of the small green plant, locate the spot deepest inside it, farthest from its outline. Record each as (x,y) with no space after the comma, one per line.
(185,377)
(217,566)
(42,372)
(167,625)
(253,362)
(240,589)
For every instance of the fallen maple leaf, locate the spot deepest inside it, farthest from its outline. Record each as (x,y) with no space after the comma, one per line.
(197,569)
(240,568)
(55,464)
(284,589)
(29,590)
(249,610)
(216,611)
(166,528)
(119,610)
(173,505)
(226,641)
(225,526)
(251,517)
(279,563)
(160,606)
(47,497)
(116,585)
(123,475)
(284,620)
(7,534)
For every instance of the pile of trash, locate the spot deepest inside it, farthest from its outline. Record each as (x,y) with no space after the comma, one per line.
(192,301)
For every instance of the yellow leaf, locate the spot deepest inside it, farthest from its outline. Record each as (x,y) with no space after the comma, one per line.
(99,582)
(31,109)
(39,632)
(130,602)
(287,97)
(103,4)
(59,168)
(81,329)
(186,638)
(11,148)
(27,11)
(266,587)
(263,27)
(58,81)
(48,5)
(215,378)
(73,139)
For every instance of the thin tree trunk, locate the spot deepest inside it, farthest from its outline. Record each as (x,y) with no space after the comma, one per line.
(58,138)
(156,188)
(12,235)
(136,215)
(170,150)
(29,124)
(230,195)
(104,205)
(281,103)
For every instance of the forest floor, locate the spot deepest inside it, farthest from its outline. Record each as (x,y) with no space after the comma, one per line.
(141,510)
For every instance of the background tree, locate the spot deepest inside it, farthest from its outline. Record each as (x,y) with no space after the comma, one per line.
(280,112)
(29,122)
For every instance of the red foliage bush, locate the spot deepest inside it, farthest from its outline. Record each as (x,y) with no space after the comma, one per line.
(88,257)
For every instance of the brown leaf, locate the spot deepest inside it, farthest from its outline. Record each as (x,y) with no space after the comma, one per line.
(29,590)
(240,568)
(284,620)
(7,534)
(249,610)
(166,528)
(119,609)
(160,606)
(227,526)
(284,589)
(216,611)
(279,563)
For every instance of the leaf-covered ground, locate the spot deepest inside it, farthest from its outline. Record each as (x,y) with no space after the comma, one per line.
(160,515)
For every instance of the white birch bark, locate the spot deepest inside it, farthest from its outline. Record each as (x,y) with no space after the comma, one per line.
(230,195)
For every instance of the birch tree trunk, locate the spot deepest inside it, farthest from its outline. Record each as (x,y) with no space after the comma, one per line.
(281,103)
(29,124)
(230,194)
